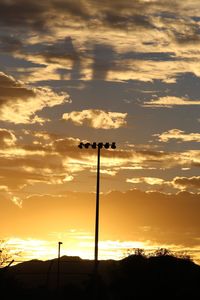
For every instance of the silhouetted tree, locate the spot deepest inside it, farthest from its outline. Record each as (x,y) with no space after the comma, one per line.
(5,254)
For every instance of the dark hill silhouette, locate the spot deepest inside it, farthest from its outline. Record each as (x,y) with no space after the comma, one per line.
(134,277)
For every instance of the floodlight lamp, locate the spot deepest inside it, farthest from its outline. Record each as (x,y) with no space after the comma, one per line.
(80,145)
(106,145)
(87,145)
(100,145)
(113,146)
(94,145)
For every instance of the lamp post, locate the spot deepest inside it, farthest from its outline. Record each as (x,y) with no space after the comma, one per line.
(98,146)
(58,270)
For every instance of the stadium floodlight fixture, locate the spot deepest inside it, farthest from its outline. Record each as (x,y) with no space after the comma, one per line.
(97,146)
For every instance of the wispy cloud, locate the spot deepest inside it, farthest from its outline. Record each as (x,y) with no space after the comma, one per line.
(180,183)
(170,101)
(148,180)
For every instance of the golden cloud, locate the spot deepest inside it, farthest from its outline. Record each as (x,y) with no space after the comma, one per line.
(71,55)
(187,182)
(52,159)
(170,101)
(178,134)
(97,119)
(20,103)
(57,46)
(148,180)
(7,138)
(180,183)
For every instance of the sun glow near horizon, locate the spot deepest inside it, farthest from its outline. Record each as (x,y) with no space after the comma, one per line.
(22,250)
(80,245)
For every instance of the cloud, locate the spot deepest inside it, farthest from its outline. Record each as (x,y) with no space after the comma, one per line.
(42,160)
(178,134)
(96,118)
(63,26)
(103,61)
(180,183)
(19,103)
(187,182)
(7,195)
(10,44)
(56,59)
(125,15)
(7,138)
(67,145)
(148,159)
(38,16)
(32,159)
(148,180)
(182,28)
(170,101)
(60,54)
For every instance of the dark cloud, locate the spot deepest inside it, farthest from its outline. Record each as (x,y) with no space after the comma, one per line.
(195,164)
(73,8)
(20,13)
(115,20)
(152,56)
(187,182)
(104,61)
(14,95)
(117,14)
(67,146)
(10,44)
(38,15)
(7,81)
(61,51)
(185,31)
(12,89)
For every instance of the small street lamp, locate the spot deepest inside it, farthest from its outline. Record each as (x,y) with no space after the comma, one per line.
(97,146)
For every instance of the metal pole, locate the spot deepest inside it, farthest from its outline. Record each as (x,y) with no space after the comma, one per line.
(58,271)
(94,145)
(97,210)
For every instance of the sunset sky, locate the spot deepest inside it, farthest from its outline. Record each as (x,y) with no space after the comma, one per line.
(99,71)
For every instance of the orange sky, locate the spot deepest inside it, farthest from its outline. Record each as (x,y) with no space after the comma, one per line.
(152,218)
(100,71)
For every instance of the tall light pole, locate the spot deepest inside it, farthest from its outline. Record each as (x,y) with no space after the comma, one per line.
(98,146)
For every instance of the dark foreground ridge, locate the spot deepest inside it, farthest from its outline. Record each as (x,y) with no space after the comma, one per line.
(134,277)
